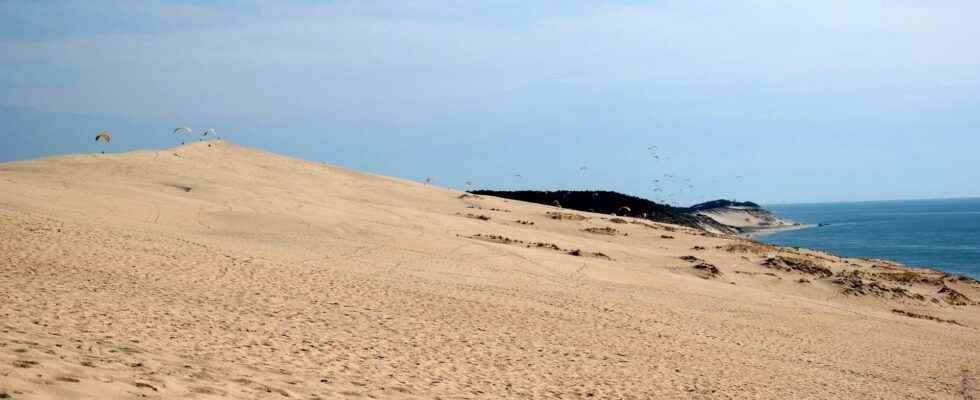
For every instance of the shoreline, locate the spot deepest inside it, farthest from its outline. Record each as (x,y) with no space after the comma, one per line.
(753,233)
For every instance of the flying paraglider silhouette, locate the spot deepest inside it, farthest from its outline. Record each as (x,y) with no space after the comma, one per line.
(103,137)
(183,129)
(209,131)
(654,152)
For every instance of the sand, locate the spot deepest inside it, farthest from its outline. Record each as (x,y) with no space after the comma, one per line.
(215,271)
(750,221)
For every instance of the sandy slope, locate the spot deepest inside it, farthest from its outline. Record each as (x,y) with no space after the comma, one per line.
(748,219)
(225,272)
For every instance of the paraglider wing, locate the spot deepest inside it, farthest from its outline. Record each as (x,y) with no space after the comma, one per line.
(103,136)
(183,129)
(207,132)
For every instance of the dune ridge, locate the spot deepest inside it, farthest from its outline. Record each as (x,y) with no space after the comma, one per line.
(215,271)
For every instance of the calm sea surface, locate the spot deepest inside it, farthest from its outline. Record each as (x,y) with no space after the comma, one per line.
(942,234)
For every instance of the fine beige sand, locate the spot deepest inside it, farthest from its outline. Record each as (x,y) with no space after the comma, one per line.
(750,221)
(214,271)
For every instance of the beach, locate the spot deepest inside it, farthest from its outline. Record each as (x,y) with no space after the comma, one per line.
(757,233)
(213,271)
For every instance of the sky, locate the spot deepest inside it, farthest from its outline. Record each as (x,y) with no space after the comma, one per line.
(768,101)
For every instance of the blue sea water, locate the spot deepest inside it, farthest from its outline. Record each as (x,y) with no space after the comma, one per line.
(940,234)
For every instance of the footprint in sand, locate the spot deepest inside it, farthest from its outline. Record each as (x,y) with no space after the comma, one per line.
(208,391)
(142,385)
(24,363)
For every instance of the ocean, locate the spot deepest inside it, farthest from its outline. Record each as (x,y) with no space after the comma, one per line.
(940,234)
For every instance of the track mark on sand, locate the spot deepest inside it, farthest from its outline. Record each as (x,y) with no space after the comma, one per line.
(968,386)
(199,219)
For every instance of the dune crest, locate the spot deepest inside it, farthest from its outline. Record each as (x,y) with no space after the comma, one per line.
(214,271)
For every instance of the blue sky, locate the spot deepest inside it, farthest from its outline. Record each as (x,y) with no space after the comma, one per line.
(805,101)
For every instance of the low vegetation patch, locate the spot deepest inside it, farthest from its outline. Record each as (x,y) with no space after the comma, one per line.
(602,231)
(539,245)
(480,217)
(861,283)
(925,317)
(562,216)
(579,253)
(749,247)
(798,265)
(909,277)
(967,279)
(709,270)
(954,297)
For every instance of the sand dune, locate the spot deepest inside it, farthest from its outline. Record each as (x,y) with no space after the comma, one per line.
(215,271)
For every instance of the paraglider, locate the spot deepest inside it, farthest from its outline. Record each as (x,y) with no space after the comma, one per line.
(653,152)
(209,131)
(183,129)
(103,136)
